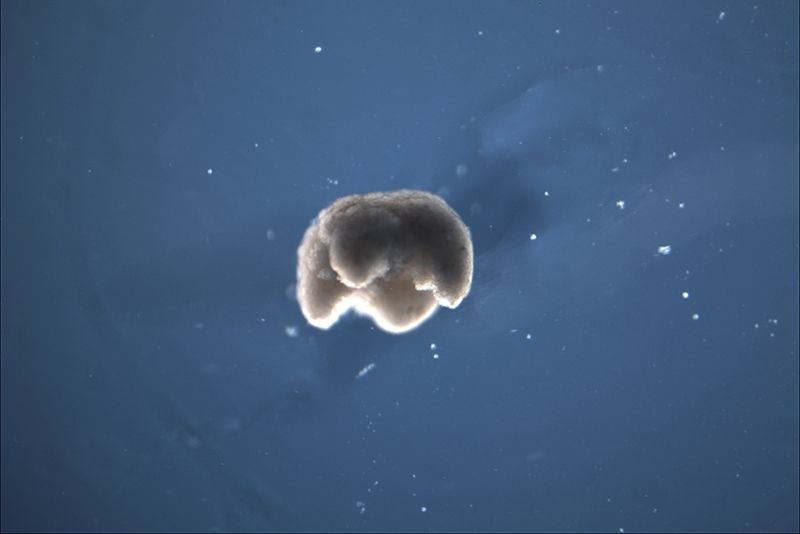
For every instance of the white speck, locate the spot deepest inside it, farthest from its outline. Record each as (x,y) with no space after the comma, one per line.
(547,193)
(435,356)
(681,205)
(210,171)
(317,49)
(480,33)
(433,346)
(600,68)
(615,169)
(695,316)
(672,155)
(721,16)
(722,149)
(292,331)
(361,507)
(255,145)
(664,250)
(461,170)
(773,321)
(270,234)
(423,509)
(533,237)
(528,336)
(558,31)
(622,529)
(621,204)
(366,369)
(685,294)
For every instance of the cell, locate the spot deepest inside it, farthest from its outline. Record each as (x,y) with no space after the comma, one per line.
(392,256)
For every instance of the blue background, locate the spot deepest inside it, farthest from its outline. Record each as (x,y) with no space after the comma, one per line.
(161,160)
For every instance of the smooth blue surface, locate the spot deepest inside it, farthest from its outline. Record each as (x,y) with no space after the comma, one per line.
(161,160)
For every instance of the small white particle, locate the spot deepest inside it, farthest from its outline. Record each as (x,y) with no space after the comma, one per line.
(317,49)
(672,155)
(547,193)
(685,294)
(695,316)
(423,509)
(255,145)
(533,237)
(681,205)
(364,370)
(292,331)
(721,16)
(433,346)
(528,336)
(270,234)
(615,169)
(621,204)
(210,171)
(558,31)
(722,149)
(461,170)
(600,68)
(480,32)
(664,250)
(435,356)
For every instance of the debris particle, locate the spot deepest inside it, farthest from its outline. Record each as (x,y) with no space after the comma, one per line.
(695,316)
(533,237)
(366,369)
(672,155)
(664,250)
(621,204)
(210,171)
(685,294)
(317,49)
(292,331)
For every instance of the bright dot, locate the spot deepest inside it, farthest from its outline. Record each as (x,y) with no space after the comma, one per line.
(364,370)
(621,204)
(681,205)
(423,509)
(533,237)
(210,171)
(558,31)
(270,234)
(461,170)
(721,16)
(600,68)
(433,346)
(435,356)
(480,32)
(292,331)
(695,316)
(528,336)
(664,250)
(547,193)
(672,155)
(317,49)
(685,294)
